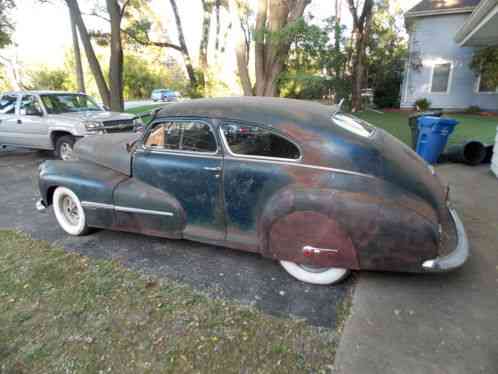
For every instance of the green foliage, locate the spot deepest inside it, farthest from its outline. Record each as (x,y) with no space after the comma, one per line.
(387,52)
(423,104)
(314,69)
(485,61)
(6,26)
(45,78)
(473,109)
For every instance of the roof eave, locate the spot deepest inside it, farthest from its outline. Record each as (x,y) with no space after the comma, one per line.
(478,15)
(439,12)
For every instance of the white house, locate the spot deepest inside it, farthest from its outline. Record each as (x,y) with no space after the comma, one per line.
(443,37)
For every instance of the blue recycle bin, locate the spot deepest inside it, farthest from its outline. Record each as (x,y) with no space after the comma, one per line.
(433,136)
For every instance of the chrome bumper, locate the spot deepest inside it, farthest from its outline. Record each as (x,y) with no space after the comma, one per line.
(456,258)
(40,205)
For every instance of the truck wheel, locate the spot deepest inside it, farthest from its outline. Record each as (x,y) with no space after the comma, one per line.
(64,147)
(69,212)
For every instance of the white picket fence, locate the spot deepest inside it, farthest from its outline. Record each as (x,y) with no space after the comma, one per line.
(494,162)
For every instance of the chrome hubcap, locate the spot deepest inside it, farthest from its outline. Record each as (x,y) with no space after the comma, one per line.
(70,211)
(66,151)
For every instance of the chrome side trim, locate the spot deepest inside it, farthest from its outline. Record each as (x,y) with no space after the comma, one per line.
(93,205)
(324,168)
(456,258)
(181,153)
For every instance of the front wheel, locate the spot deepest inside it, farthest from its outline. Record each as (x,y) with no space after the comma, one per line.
(64,147)
(315,275)
(69,212)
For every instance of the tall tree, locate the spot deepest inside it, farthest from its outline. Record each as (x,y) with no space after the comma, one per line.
(271,44)
(183,46)
(78,66)
(361,28)
(6,25)
(90,52)
(207,10)
(239,12)
(116,12)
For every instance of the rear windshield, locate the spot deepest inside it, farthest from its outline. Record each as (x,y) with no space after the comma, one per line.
(353,124)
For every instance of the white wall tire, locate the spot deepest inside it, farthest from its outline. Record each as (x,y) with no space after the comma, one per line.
(324,276)
(69,212)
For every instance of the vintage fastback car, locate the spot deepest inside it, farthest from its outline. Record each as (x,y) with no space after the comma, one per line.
(320,191)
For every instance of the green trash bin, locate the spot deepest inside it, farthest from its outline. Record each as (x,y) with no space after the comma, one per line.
(412,122)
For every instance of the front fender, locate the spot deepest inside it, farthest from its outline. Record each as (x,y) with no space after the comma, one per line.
(88,181)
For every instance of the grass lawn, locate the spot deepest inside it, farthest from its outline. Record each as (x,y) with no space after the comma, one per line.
(471,127)
(61,312)
(142,109)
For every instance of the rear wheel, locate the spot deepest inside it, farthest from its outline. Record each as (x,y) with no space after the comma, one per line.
(69,212)
(313,274)
(64,147)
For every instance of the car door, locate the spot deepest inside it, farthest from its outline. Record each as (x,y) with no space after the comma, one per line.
(33,124)
(182,158)
(8,119)
(257,164)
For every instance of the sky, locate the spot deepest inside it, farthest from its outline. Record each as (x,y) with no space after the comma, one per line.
(43,32)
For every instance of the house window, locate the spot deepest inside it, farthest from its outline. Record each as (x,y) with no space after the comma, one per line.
(441,76)
(485,83)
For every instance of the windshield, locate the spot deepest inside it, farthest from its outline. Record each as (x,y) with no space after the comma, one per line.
(65,103)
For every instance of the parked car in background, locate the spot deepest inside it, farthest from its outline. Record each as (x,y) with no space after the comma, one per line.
(165,95)
(55,120)
(302,183)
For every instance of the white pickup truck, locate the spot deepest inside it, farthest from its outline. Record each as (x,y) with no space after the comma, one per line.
(55,120)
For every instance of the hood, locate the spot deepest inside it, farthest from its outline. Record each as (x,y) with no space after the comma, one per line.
(95,116)
(110,151)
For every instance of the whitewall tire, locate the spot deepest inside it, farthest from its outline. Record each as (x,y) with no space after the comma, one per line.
(69,212)
(313,275)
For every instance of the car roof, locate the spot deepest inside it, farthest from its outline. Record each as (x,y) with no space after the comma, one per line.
(274,112)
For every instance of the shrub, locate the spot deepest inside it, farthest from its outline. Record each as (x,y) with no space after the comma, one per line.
(422,104)
(473,109)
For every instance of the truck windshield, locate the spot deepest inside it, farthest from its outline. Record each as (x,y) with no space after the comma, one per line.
(65,103)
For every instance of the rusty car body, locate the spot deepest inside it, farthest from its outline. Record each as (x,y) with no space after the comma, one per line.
(295,181)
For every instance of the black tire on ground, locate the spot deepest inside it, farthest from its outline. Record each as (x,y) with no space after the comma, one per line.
(61,145)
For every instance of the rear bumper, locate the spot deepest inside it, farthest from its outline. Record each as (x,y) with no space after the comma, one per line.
(457,257)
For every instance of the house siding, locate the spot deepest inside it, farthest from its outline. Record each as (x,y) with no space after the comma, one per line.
(432,39)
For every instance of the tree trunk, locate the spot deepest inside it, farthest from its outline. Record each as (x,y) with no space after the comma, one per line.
(116,59)
(217,8)
(241,50)
(183,45)
(259,47)
(207,8)
(361,33)
(78,66)
(89,51)
(271,53)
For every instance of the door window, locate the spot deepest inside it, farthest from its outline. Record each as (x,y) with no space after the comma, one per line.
(8,104)
(30,105)
(192,136)
(250,140)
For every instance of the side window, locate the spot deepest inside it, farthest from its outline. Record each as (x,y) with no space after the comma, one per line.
(198,137)
(193,136)
(8,104)
(165,136)
(249,140)
(30,104)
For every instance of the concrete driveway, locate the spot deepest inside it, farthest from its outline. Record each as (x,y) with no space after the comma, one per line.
(444,324)
(248,278)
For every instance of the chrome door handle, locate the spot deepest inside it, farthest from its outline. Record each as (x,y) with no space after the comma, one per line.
(212,168)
